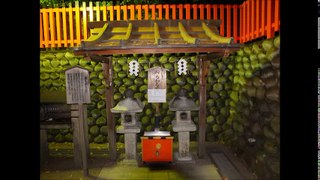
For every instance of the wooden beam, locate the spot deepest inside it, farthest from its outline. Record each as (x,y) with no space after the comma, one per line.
(203,72)
(107,71)
(141,50)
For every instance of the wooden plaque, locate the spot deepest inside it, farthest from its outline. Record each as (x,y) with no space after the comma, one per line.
(157,85)
(77,85)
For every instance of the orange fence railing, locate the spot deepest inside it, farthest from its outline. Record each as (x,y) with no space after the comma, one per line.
(259,18)
(67,26)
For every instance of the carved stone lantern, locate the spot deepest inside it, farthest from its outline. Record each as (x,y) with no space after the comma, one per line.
(130,125)
(183,123)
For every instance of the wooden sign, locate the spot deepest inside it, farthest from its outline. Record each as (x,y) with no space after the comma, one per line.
(77,85)
(157,85)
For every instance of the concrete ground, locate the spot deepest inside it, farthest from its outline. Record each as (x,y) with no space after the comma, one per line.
(100,168)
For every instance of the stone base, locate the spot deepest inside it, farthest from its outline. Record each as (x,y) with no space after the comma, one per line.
(186,159)
(128,162)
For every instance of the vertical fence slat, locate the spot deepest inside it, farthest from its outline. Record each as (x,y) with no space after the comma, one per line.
(90,11)
(269,28)
(257,14)
(117,8)
(153,11)
(110,9)
(146,11)
(167,11)
(52,28)
(125,12)
(138,8)
(64,26)
(97,11)
(252,20)
(215,11)
(180,7)
(131,7)
(159,10)
(208,7)
(174,11)
(235,25)
(58,25)
(41,30)
(187,7)
(195,11)
(248,21)
(222,20)
(201,7)
(244,22)
(71,24)
(84,20)
(104,11)
(228,20)
(263,17)
(276,16)
(78,30)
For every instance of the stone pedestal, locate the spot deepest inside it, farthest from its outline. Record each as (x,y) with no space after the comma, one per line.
(130,139)
(183,129)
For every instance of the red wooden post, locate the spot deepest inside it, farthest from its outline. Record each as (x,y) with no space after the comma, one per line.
(201,7)
(159,8)
(235,23)
(167,12)
(187,7)
(195,11)
(263,10)
(276,16)
(153,11)
(71,24)
(248,20)
(257,31)
(41,30)
(138,7)
(110,8)
(252,20)
(52,28)
(215,11)
(131,7)
(117,8)
(269,23)
(228,20)
(125,12)
(180,6)
(208,7)
(222,19)
(174,11)
(146,11)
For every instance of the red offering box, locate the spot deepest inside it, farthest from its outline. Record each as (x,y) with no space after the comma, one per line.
(157,149)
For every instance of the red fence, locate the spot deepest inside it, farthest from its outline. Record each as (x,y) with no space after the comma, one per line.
(67,26)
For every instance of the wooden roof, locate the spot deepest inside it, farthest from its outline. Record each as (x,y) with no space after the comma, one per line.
(155,36)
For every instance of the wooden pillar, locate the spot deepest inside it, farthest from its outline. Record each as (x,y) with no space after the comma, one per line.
(203,71)
(83,138)
(76,136)
(80,136)
(43,146)
(107,69)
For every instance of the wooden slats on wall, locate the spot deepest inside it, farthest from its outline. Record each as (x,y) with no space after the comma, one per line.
(67,26)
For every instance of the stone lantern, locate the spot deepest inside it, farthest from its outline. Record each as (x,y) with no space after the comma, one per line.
(183,123)
(130,125)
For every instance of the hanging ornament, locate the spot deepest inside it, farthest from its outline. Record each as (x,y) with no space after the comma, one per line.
(133,67)
(182,67)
